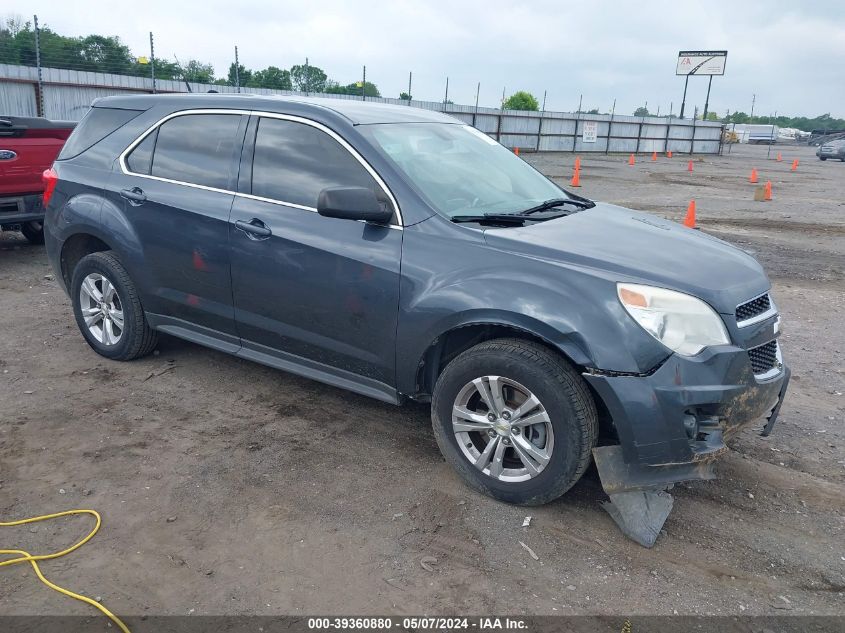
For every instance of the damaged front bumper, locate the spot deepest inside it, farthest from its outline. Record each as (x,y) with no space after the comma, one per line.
(671,425)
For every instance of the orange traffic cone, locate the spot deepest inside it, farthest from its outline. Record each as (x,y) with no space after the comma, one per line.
(631,160)
(753,177)
(654,156)
(689,167)
(768,195)
(516,151)
(577,162)
(689,221)
(669,154)
(779,157)
(576,178)
(794,165)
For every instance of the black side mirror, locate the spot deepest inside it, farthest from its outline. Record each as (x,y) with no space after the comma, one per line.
(353,203)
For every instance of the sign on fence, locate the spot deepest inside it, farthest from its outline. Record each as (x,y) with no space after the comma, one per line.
(591,131)
(701,62)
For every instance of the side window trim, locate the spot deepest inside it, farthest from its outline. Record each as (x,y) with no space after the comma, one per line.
(238,182)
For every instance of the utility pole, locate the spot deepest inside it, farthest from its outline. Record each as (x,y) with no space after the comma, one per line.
(237,72)
(410,94)
(40,102)
(364,86)
(152,62)
(753,99)
(503,97)
(306,78)
(446,96)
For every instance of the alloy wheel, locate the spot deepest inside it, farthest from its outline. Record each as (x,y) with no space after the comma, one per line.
(101,309)
(502,428)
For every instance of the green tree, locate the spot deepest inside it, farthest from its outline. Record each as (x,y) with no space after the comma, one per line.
(593,111)
(405,96)
(642,111)
(243,75)
(197,72)
(308,78)
(356,88)
(271,77)
(106,54)
(521,100)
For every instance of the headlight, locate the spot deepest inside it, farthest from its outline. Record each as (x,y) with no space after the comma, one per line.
(684,324)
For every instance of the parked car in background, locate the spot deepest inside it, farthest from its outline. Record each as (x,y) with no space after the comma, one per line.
(28,146)
(400,253)
(832,149)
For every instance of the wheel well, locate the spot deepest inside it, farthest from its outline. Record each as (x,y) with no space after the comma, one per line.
(75,248)
(448,345)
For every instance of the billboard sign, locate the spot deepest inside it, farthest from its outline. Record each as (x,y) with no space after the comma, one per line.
(701,62)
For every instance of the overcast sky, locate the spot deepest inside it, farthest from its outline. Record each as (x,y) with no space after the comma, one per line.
(791,54)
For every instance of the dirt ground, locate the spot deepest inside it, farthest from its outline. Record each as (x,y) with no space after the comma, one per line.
(230,488)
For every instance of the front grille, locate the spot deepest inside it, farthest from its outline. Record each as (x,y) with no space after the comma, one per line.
(764,357)
(751,309)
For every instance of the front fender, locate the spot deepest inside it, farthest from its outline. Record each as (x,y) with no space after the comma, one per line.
(453,278)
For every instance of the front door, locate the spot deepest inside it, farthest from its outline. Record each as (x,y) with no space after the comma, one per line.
(320,292)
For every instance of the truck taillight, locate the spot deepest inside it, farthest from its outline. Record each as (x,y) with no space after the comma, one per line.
(49,178)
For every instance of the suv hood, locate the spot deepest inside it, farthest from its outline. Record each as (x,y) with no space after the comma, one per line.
(633,246)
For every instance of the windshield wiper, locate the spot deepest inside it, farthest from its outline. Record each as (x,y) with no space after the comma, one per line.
(501,218)
(581,203)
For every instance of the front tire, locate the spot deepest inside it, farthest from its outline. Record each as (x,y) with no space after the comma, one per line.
(108,309)
(515,420)
(33,231)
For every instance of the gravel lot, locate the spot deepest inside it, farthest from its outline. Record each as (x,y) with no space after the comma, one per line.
(230,488)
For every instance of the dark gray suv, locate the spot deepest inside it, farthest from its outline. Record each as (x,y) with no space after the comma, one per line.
(400,253)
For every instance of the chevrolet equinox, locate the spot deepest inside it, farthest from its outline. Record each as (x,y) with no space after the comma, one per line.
(400,253)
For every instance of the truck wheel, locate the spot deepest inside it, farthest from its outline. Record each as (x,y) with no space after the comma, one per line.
(515,420)
(108,310)
(33,231)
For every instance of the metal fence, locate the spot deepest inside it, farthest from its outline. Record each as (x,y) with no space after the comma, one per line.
(67,94)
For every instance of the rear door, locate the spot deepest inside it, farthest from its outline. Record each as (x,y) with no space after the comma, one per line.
(313,290)
(176,188)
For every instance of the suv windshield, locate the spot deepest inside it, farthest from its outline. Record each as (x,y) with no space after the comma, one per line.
(460,170)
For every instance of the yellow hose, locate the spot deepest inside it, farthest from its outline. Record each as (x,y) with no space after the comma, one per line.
(26,557)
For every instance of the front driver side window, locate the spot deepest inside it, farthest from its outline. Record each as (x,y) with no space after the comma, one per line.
(294,161)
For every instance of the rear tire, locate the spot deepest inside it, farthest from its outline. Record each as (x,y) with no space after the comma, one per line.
(108,309)
(562,439)
(33,231)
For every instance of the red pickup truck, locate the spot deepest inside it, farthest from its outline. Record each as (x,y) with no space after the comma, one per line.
(28,146)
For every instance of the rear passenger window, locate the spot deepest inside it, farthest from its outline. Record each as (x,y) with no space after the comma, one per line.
(293,162)
(140,160)
(198,149)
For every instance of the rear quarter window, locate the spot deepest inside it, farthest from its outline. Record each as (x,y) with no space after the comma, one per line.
(93,128)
